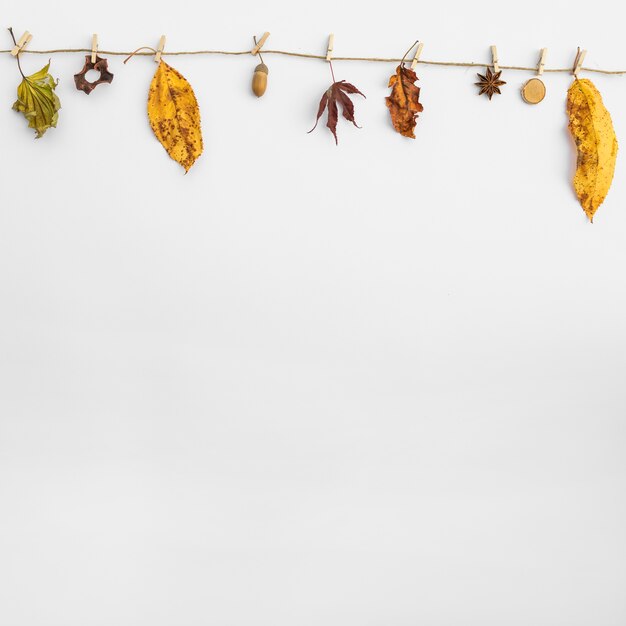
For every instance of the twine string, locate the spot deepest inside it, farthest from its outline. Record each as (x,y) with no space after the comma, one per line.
(304,55)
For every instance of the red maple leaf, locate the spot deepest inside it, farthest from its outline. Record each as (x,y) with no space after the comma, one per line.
(337,94)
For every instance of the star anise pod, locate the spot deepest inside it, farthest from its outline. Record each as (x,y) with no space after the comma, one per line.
(490,83)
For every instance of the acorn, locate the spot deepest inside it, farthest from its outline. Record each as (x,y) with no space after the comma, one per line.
(259,79)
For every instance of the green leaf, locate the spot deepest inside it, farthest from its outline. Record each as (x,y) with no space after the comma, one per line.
(38,102)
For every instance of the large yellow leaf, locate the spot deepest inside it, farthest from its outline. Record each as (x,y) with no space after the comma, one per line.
(174,115)
(592,129)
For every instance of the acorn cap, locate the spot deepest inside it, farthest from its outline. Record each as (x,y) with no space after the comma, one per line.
(261,67)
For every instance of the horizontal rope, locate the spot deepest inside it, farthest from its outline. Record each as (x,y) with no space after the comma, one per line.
(318,56)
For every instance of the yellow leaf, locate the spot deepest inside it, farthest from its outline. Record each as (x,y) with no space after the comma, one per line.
(174,115)
(592,129)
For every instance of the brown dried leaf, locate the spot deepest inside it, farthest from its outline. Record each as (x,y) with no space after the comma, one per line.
(336,94)
(403,102)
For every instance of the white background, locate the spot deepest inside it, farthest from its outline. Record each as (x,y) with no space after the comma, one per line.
(378,384)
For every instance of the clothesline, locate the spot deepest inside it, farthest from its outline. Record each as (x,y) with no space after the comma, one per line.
(304,55)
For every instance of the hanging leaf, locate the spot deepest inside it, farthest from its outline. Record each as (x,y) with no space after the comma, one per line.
(403,102)
(336,94)
(38,102)
(174,115)
(591,127)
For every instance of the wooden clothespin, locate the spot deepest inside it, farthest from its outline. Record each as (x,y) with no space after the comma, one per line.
(22,42)
(159,52)
(494,59)
(578,62)
(542,61)
(94,48)
(418,53)
(259,44)
(331,44)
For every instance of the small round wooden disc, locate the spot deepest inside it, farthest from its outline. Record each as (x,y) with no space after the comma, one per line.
(534,91)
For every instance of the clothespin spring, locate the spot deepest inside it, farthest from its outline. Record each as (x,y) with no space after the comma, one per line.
(94,48)
(159,52)
(21,43)
(494,59)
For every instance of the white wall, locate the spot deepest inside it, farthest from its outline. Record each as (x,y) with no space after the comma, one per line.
(379,384)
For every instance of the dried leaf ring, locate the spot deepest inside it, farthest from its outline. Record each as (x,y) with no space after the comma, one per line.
(534,91)
(101,65)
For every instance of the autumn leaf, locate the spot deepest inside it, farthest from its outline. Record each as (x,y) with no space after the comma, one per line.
(38,102)
(174,115)
(403,102)
(592,129)
(337,94)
